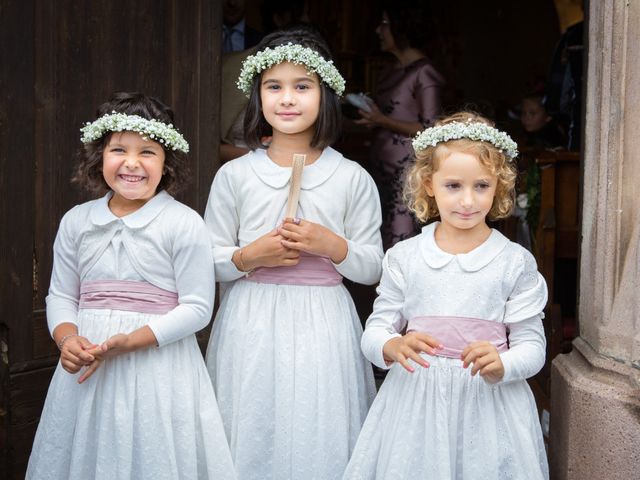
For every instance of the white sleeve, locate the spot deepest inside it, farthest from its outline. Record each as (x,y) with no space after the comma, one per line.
(386,321)
(192,261)
(523,317)
(362,231)
(64,288)
(223,222)
(526,353)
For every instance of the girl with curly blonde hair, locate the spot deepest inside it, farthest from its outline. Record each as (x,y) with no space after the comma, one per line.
(458,321)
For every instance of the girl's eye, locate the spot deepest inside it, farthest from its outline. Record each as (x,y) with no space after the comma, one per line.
(303,86)
(148,152)
(273,87)
(116,149)
(452,186)
(482,186)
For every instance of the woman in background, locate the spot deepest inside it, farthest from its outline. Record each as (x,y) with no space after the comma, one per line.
(407,100)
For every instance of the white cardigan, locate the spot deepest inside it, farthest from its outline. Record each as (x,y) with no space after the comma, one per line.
(165,243)
(249,194)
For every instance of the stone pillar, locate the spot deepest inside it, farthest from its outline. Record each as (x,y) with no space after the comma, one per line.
(595,390)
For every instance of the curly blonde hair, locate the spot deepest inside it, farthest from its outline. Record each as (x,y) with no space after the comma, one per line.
(426,164)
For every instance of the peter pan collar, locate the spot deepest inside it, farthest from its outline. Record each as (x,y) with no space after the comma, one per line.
(277,177)
(101,215)
(473,261)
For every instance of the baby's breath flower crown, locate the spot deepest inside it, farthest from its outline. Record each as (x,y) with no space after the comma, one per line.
(472,130)
(267,58)
(156,130)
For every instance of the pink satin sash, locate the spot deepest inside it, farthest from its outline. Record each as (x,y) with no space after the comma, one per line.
(128,295)
(310,270)
(455,333)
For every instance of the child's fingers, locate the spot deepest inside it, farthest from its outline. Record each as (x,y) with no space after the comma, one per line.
(415,356)
(89,371)
(420,346)
(70,366)
(291,224)
(95,350)
(472,346)
(428,339)
(481,362)
(477,356)
(402,360)
(292,245)
(291,235)
(85,356)
(70,357)
(290,253)
(289,262)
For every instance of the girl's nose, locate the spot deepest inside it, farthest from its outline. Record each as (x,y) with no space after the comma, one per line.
(130,162)
(467,198)
(287,97)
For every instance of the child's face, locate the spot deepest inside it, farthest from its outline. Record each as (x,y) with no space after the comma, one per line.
(132,167)
(463,190)
(533,116)
(290,98)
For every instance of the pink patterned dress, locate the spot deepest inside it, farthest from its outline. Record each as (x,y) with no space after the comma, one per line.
(409,94)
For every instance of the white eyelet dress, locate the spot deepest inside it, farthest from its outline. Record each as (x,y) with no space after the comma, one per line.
(148,414)
(440,422)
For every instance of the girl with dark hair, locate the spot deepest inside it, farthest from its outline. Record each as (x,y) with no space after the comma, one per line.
(131,284)
(292,385)
(407,99)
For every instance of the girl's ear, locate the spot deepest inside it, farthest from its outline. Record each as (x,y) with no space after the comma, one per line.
(428,185)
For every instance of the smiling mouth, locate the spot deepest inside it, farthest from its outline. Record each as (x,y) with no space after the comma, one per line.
(466,215)
(131,178)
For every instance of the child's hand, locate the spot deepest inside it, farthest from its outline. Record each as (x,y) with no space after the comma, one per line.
(485,359)
(113,346)
(302,235)
(409,346)
(75,353)
(266,251)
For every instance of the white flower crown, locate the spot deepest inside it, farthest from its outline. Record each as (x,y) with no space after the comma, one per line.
(472,130)
(156,130)
(267,58)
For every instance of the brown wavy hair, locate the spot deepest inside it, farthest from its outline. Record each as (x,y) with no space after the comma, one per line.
(88,171)
(426,164)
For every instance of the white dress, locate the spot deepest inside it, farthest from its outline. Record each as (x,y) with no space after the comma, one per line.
(440,422)
(292,384)
(149,414)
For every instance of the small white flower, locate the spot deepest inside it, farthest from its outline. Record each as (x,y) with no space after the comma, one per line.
(267,58)
(121,122)
(474,131)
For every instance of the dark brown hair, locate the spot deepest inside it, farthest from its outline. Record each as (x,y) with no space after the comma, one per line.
(88,172)
(329,121)
(410,22)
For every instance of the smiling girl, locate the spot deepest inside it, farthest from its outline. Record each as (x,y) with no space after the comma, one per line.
(131,284)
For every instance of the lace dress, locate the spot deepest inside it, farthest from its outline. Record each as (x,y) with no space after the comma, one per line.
(440,422)
(291,381)
(152,413)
